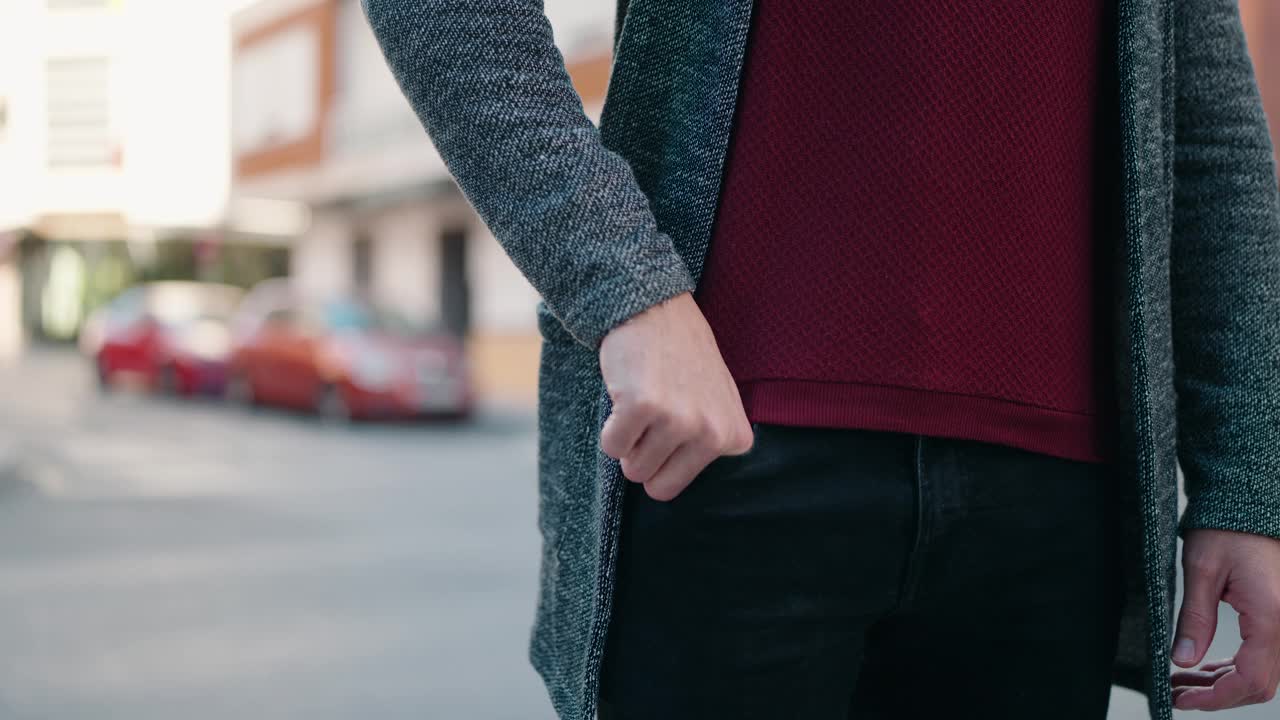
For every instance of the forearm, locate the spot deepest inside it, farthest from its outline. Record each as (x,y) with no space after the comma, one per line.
(490,87)
(1225,275)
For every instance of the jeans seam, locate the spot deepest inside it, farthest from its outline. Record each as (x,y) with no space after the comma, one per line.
(912,571)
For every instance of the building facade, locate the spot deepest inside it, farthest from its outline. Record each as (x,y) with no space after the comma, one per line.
(320,126)
(113,136)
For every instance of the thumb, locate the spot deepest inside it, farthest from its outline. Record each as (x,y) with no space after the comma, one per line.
(1198,620)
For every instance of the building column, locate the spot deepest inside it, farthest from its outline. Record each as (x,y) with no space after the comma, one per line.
(405,261)
(320,261)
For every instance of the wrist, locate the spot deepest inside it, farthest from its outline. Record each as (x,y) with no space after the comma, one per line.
(657,314)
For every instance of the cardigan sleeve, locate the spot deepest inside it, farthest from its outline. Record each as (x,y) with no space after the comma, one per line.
(1225,278)
(490,88)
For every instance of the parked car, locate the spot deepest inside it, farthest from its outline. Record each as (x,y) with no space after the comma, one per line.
(171,335)
(343,358)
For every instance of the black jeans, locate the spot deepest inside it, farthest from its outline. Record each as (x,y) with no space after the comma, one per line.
(831,574)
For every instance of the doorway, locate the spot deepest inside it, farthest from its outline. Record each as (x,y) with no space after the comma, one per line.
(455,289)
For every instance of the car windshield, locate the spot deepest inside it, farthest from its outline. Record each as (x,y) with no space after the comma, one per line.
(181,304)
(348,316)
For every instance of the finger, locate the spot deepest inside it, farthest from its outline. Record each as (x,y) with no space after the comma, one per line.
(1198,678)
(1198,619)
(1177,693)
(742,439)
(652,450)
(678,471)
(622,430)
(1229,691)
(1218,664)
(1258,659)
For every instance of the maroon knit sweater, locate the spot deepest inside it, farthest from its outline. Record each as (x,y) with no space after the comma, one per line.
(935,162)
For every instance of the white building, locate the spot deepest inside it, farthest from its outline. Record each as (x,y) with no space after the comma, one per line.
(322,132)
(98,94)
(114,126)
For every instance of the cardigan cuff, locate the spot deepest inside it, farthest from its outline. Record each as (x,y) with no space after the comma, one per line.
(1226,512)
(629,291)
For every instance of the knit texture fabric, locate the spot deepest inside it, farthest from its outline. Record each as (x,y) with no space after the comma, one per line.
(935,164)
(1198,269)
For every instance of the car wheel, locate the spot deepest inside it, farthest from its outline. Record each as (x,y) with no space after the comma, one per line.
(167,381)
(332,407)
(460,415)
(239,391)
(102,374)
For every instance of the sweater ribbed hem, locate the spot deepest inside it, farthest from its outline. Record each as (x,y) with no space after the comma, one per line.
(1072,436)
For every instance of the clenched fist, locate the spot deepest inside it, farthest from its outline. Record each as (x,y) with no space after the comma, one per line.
(675,405)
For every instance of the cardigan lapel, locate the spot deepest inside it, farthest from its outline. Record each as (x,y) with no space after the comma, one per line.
(678,64)
(1143,354)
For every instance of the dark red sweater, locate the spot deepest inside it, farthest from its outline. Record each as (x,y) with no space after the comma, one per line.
(906,236)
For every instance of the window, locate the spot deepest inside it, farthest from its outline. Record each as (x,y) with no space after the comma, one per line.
(79,129)
(268,112)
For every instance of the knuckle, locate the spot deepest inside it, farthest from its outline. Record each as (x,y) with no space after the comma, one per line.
(732,443)
(609,445)
(717,439)
(1200,565)
(662,492)
(621,396)
(700,427)
(642,404)
(632,470)
(1192,615)
(685,425)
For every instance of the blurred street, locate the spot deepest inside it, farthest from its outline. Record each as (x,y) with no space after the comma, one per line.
(236,197)
(165,560)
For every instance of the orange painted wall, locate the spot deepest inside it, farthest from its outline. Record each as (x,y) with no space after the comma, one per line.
(321,19)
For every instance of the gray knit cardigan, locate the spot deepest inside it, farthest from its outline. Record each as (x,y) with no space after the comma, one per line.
(606,222)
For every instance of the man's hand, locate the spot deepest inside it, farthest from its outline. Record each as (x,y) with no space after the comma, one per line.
(675,405)
(1244,571)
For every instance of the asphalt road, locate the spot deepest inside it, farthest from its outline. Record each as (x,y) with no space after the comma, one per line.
(161,560)
(164,560)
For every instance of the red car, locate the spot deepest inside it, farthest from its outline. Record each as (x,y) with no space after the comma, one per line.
(172,335)
(343,359)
